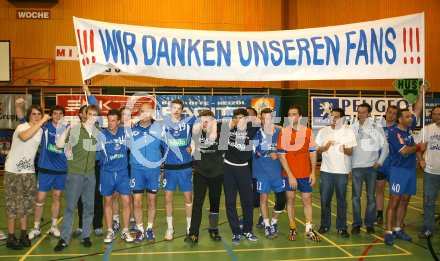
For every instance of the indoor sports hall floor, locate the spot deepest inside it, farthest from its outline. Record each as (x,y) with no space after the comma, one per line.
(357,247)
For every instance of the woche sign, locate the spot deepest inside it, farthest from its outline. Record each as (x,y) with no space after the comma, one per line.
(33,14)
(391,48)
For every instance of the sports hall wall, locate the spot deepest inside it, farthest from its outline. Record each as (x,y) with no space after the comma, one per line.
(38,38)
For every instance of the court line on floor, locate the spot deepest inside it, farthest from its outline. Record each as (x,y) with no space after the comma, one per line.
(328,240)
(201,251)
(373,235)
(367,249)
(127,248)
(238,250)
(342,257)
(34,246)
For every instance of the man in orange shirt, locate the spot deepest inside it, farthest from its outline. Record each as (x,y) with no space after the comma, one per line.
(298,158)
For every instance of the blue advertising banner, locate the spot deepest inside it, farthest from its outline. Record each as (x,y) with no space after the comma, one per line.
(322,107)
(430,103)
(221,106)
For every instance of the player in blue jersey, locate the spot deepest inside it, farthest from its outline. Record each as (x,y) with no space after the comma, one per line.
(252,114)
(127,122)
(112,142)
(267,170)
(145,162)
(177,165)
(402,174)
(389,124)
(52,170)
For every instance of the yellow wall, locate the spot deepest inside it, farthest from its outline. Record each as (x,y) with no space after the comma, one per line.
(38,38)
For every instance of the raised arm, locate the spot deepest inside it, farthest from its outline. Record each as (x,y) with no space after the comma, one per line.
(91,98)
(61,141)
(29,133)
(418,105)
(20,109)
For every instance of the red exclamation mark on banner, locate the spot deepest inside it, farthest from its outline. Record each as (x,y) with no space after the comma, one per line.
(85,46)
(404,45)
(92,45)
(80,44)
(418,44)
(411,44)
(84,42)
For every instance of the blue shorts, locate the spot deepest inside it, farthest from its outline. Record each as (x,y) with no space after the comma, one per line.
(112,181)
(145,179)
(303,185)
(403,181)
(264,186)
(384,170)
(48,181)
(181,177)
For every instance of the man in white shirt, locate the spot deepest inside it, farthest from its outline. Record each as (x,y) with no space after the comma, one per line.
(336,144)
(429,161)
(20,180)
(368,155)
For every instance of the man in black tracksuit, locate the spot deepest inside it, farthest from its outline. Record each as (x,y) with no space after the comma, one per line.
(208,162)
(237,175)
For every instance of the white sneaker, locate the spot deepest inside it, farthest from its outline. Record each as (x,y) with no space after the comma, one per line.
(54,231)
(169,234)
(77,232)
(110,237)
(2,235)
(35,232)
(127,237)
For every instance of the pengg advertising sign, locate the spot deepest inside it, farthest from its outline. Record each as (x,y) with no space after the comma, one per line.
(322,107)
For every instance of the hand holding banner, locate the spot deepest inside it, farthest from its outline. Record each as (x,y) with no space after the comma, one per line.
(409,88)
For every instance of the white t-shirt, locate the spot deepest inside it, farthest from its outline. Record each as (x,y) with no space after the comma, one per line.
(21,157)
(334,160)
(432,153)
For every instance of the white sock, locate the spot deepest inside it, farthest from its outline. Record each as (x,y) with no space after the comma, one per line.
(140,227)
(149,225)
(37,225)
(116,217)
(54,221)
(309,226)
(274,221)
(397,229)
(266,222)
(389,232)
(110,230)
(131,219)
(188,224)
(125,230)
(170,222)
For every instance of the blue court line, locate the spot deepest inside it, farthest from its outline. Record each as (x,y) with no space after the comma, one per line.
(231,253)
(108,250)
